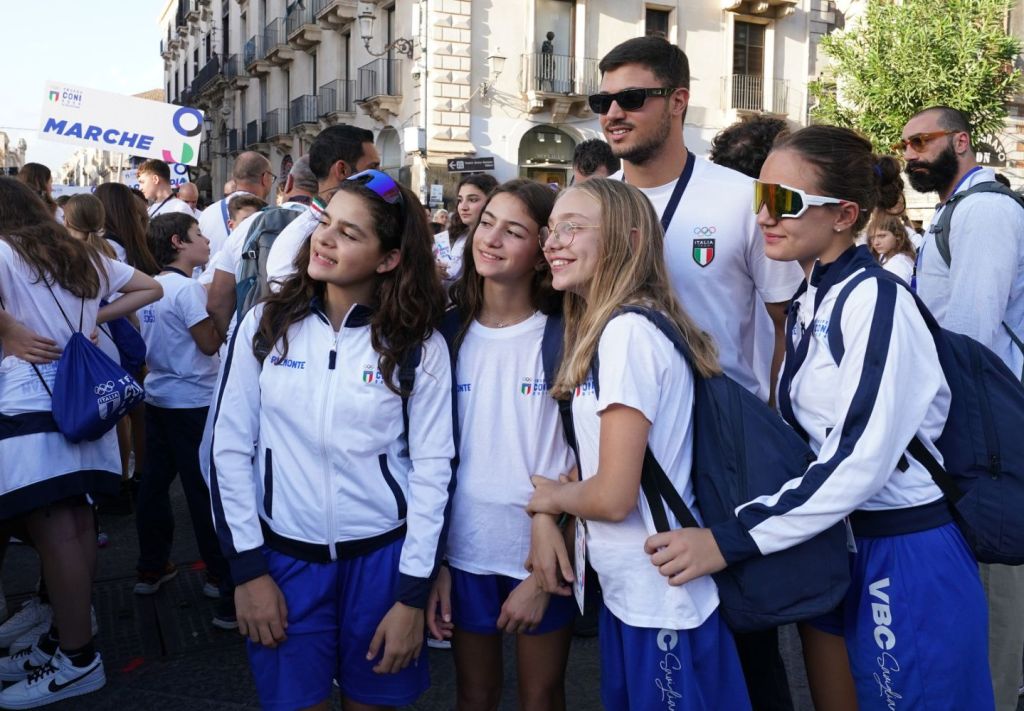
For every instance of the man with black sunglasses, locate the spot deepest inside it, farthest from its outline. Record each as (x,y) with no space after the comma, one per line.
(713,248)
(972,280)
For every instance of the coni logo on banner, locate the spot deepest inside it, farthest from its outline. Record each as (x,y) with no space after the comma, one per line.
(188,122)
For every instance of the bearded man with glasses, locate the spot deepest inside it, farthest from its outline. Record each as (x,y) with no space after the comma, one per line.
(977,290)
(713,249)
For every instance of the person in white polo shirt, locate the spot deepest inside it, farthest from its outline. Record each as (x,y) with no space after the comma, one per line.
(713,247)
(155,183)
(250,174)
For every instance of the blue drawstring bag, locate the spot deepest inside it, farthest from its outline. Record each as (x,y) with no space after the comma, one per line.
(90,391)
(131,349)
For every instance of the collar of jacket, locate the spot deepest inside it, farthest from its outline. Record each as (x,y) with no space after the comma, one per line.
(357,317)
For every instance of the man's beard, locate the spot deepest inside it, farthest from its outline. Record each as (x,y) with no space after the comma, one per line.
(935,176)
(644,152)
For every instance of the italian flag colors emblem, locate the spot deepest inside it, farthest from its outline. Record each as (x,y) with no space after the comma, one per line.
(526,388)
(368,376)
(703,251)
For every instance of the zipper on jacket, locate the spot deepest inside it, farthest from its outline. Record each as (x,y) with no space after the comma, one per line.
(324,457)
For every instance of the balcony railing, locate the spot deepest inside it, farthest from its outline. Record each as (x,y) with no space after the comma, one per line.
(301,14)
(560,74)
(275,124)
(255,49)
(275,33)
(302,110)
(231,68)
(205,76)
(379,78)
(231,141)
(334,13)
(252,134)
(746,92)
(336,97)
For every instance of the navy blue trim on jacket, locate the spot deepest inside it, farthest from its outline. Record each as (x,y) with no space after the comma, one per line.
(863,402)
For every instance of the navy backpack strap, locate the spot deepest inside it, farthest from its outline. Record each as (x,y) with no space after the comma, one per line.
(551,355)
(451,322)
(654,482)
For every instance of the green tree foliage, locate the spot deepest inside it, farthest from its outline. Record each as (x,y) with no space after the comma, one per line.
(901,56)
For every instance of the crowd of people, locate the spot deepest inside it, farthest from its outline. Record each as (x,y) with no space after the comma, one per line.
(377,448)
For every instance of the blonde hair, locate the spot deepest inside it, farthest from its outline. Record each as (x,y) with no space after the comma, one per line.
(629,271)
(84,213)
(882,220)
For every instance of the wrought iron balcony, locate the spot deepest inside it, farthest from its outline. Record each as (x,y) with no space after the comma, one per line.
(379,78)
(334,13)
(558,82)
(378,91)
(252,134)
(255,55)
(303,30)
(560,74)
(206,76)
(303,110)
(275,125)
(275,41)
(747,92)
(336,97)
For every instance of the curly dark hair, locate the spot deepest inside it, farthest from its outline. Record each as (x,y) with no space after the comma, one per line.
(161,229)
(408,300)
(745,145)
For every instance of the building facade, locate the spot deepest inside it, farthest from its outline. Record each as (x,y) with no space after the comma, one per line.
(439,80)
(12,154)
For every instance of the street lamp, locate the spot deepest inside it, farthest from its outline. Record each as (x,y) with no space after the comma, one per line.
(366,19)
(496,62)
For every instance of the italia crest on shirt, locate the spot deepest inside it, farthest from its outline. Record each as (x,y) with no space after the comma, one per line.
(703,251)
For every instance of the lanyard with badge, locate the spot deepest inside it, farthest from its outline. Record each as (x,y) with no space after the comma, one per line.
(677,191)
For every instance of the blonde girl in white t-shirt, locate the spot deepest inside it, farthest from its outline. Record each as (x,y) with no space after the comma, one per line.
(509,429)
(661,647)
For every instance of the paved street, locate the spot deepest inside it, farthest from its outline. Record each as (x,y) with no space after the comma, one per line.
(161,653)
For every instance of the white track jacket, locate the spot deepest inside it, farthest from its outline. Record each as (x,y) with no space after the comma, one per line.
(310,455)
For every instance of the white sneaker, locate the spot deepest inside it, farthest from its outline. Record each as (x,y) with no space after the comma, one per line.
(32,636)
(57,679)
(20,664)
(33,615)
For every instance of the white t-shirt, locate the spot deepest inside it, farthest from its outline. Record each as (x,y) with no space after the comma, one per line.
(171,204)
(641,369)
(902,265)
(30,301)
(180,375)
(230,256)
(715,256)
(230,253)
(28,460)
(458,253)
(213,222)
(510,430)
(280,261)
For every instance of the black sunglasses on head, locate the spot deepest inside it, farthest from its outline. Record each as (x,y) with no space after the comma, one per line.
(627,99)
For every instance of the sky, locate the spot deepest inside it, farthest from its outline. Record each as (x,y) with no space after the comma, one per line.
(113,45)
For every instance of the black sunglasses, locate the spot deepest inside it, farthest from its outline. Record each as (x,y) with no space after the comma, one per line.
(627,99)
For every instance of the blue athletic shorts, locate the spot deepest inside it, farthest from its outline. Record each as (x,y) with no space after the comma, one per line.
(333,612)
(675,670)
(477,601)
(915,623)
